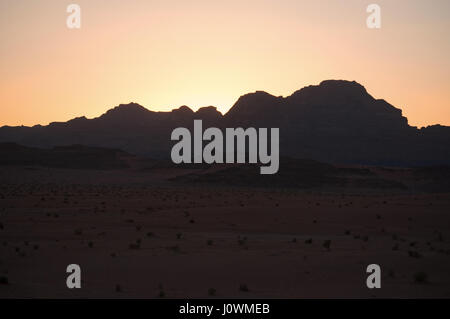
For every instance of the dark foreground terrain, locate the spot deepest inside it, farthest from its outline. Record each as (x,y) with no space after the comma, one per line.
(156,231)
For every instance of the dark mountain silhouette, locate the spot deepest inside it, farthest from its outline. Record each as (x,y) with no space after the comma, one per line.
(336,122)
(129,127)
(73,156)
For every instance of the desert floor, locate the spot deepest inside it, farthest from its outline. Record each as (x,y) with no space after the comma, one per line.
(136,235)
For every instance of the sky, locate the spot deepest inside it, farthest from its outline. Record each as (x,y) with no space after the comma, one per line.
(167,53)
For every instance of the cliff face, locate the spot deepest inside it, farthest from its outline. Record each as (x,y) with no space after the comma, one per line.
(338,121)
(335,121)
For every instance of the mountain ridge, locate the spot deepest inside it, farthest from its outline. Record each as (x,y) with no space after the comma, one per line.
(336,121)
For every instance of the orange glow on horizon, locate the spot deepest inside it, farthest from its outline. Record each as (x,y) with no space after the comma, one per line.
(164,54)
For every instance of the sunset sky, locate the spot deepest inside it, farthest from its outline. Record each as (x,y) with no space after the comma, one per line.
(164,54)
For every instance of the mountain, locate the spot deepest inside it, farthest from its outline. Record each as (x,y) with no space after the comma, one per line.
(129,127)
(73,156)
(336,121)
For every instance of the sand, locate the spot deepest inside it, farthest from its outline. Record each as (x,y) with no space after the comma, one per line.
(136,235)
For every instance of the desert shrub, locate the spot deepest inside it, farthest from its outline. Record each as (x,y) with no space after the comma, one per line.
(212,292)
(414,254)
(175,249)
(242,241)
(420,277)
(243,287)
(4,280)
(134,246)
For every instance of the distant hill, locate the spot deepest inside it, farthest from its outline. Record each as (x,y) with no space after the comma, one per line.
(75,156)
(295,173)
(336,122)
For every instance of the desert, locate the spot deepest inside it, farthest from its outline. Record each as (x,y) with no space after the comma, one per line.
(170,232)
